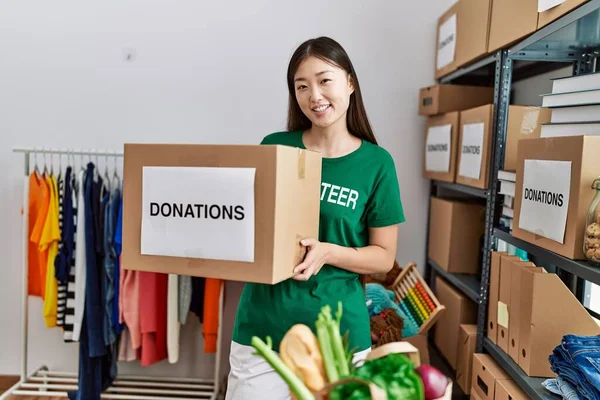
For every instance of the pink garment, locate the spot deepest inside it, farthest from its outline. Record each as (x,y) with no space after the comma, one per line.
(153,317)
(129,305)
(126,351)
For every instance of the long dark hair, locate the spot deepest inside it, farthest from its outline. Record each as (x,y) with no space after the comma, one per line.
(331,52)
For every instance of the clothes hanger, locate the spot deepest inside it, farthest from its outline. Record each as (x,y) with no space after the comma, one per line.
(45,162)
(106,177)
(51,163)
(37,168)
(116,178)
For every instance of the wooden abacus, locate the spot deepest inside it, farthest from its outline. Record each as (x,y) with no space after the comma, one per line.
(416,299)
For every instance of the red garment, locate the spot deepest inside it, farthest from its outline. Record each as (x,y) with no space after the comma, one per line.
(153,316)
(210,325)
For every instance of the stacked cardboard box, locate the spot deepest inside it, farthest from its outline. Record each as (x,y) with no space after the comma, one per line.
(529,312)
(471,29)
(490,381)
(442,104)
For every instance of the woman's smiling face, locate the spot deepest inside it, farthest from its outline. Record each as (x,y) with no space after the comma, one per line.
(322,92)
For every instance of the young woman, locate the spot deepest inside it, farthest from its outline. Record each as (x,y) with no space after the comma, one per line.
(358,227)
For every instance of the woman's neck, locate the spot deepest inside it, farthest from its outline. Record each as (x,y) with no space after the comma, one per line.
(331,142)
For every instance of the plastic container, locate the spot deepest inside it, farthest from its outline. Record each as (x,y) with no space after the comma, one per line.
(591,242)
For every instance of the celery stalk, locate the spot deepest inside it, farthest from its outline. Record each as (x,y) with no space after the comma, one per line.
(323,337)
(338,346)
(296,385)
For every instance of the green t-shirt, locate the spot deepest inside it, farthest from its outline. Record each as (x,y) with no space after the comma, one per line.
(358,191)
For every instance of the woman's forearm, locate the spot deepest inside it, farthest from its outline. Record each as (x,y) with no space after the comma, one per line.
(371,259)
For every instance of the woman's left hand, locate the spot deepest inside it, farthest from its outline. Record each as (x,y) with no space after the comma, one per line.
(314,260)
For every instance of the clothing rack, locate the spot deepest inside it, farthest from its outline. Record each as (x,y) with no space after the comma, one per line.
(44,382)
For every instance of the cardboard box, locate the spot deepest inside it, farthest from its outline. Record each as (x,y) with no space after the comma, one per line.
(544,18)
(475,146)
(421,343)
(455,232)
(462,35)
(474,395)
(284,190)
(486,376)
(509,390)
(445,98)
(514,325)
(511,20)
(548,311)
(523,123)
(507,302)
(539,218)
(459,310)
(467,340)
(494,292)
(441,141)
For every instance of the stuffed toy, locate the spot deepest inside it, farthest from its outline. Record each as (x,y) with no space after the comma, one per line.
(386,327)
(379,299)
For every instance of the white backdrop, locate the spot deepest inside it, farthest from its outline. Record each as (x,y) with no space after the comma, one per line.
(200,72)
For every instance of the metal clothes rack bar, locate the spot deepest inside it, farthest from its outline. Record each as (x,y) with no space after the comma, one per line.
(44,382)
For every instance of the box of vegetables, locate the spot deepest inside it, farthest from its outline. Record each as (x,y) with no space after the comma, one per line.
(319,367)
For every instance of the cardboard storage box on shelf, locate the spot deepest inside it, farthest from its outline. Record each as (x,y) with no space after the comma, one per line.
(507,307)
(467,339)
(511,20)
(509,390)
(462,35)
(494,294)
(548,311)
(455,232)
(234,212)
(563,7)
(474,395)
(459,310)
(553,191)
(445,98)
(523,123)
(474,147)
(487,375)
(441,140)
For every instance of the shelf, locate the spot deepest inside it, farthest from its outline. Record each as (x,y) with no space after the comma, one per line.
(468,284)
(570,35)
(532,386)
(583,269)
(462,189)
(469,69)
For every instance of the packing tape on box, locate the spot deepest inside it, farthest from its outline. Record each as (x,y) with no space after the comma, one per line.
(301,164)
(300,252)
(530,120)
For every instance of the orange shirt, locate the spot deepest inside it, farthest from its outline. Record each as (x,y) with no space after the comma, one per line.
(37,261)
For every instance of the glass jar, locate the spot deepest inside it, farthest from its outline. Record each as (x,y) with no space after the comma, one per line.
(591,242)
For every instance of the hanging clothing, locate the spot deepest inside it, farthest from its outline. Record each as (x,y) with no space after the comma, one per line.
(197,300)
(80,259)
(62,286)
(173,326)
(39,201)
(115,217)
(153,317)
(185,297)
(71,248)
(65,252)
(49,242)
(107,272)
(95,358)
(210,327)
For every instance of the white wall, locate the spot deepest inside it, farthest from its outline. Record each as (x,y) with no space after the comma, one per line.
(202,72)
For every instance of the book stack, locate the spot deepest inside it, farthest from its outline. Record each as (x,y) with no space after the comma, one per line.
(507,181)
(575,104)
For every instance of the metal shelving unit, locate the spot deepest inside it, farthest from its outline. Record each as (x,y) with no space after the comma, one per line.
(468,284)
(532,386)
(573,39)
(468,190)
